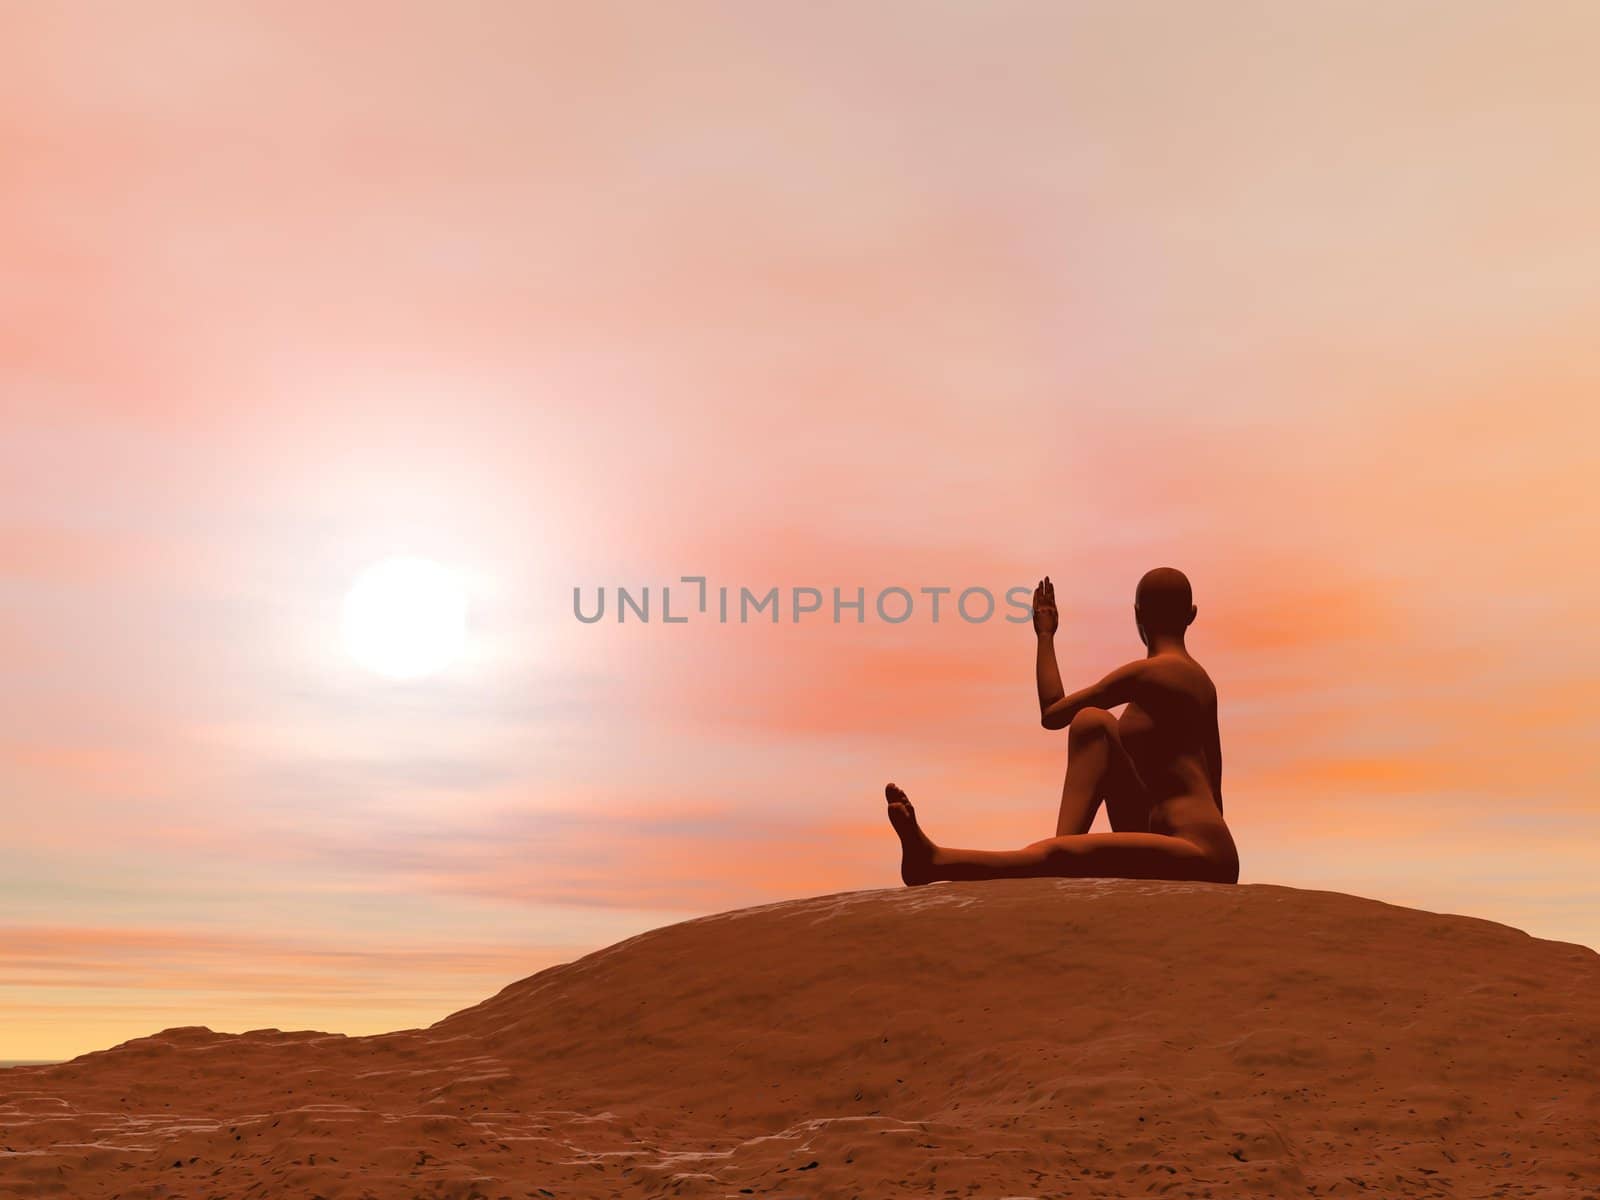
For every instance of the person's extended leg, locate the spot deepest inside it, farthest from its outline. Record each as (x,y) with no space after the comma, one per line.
(1084,855)
(1098,767)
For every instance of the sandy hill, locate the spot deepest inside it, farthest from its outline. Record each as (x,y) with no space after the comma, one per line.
(1038,1038)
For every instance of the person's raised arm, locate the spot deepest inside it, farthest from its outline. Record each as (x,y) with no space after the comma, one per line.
(1045,621)
(1116,688)
(1056,708)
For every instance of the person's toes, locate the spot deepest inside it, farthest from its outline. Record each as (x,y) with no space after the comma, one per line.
(894,795)
(901,819)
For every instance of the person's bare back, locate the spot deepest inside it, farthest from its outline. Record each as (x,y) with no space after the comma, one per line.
(1169,730)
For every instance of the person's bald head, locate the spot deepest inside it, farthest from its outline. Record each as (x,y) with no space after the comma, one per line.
(1163,602)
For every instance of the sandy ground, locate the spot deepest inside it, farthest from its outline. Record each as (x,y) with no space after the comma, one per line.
(1026,1038)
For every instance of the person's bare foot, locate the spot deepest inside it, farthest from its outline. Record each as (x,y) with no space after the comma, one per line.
(916,851)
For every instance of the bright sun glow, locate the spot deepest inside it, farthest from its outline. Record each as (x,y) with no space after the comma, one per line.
(405,618)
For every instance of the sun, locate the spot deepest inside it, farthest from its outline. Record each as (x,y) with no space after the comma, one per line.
(405,618)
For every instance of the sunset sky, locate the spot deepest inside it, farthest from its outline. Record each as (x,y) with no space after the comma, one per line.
(1301,299)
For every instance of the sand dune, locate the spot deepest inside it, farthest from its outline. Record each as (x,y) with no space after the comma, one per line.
(1019,1038)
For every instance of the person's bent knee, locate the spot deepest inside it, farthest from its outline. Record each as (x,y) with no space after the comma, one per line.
(1091,722)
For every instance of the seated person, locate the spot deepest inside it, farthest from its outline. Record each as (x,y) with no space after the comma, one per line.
(1158,769)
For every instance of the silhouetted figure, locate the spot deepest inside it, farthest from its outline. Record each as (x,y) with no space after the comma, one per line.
(1158,769)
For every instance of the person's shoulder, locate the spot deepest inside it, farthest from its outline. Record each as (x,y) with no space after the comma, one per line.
(1179,672)
(1169,660)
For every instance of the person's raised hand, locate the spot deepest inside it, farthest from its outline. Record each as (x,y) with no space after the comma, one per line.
(1045,618)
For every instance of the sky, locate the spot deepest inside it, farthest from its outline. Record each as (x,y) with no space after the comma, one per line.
(1300,299)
